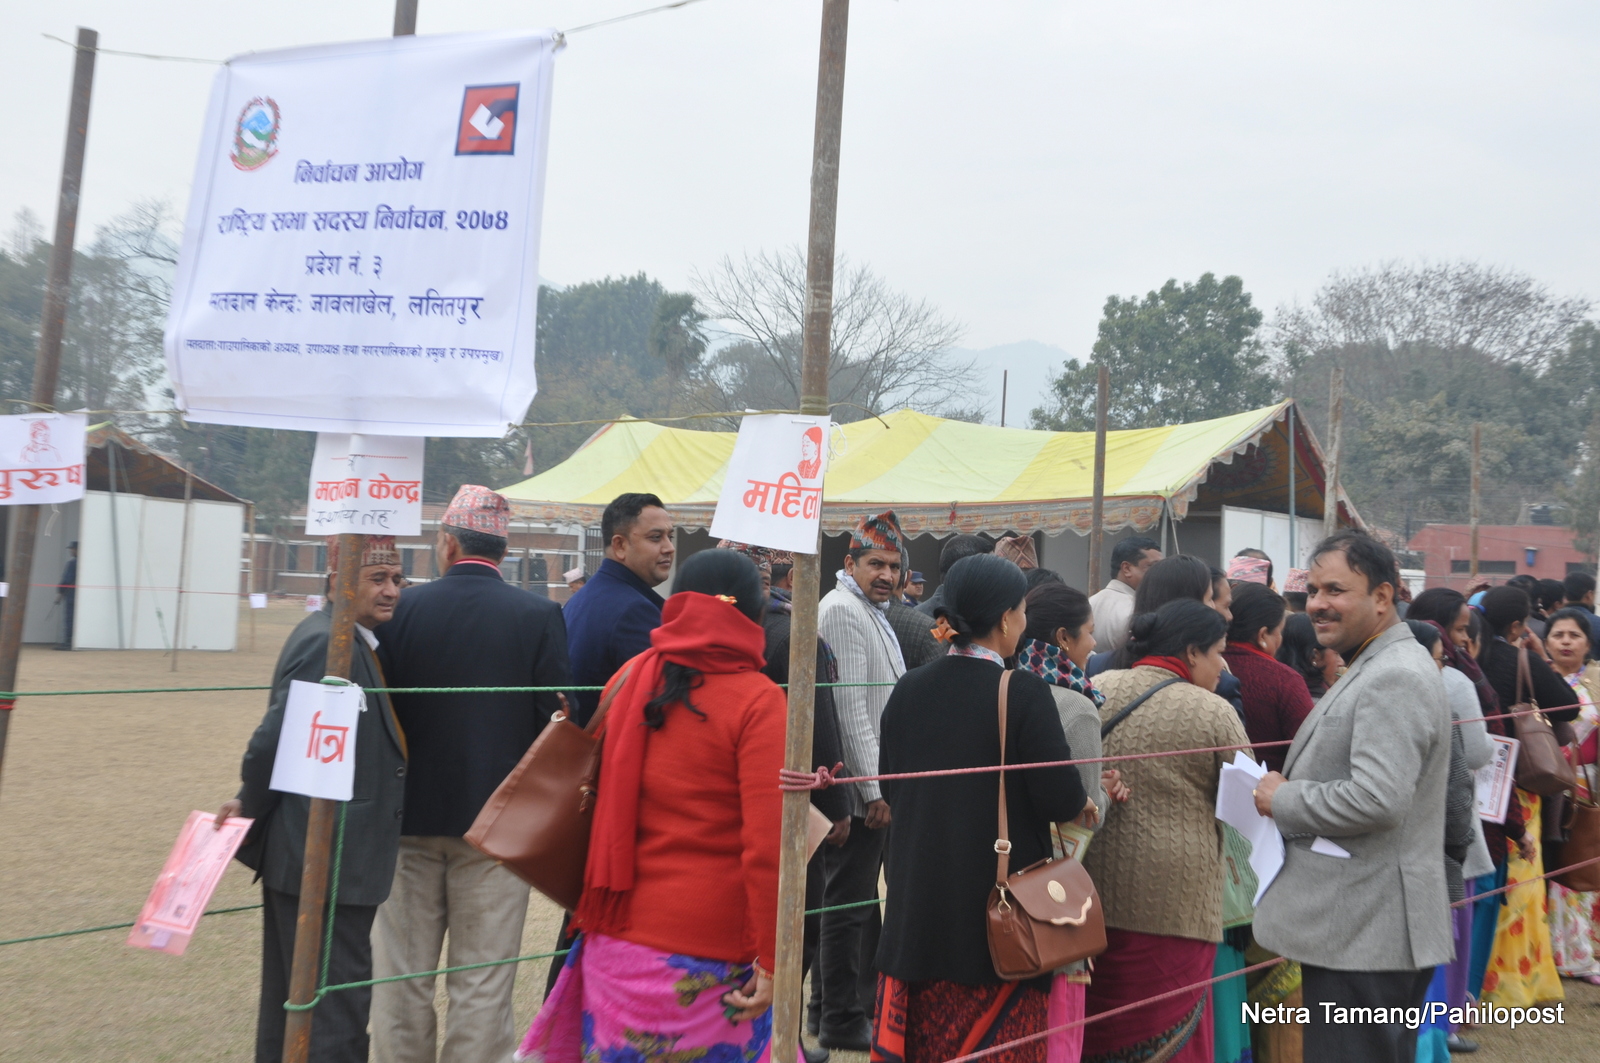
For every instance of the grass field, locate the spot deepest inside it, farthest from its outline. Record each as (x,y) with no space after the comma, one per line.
(93,792)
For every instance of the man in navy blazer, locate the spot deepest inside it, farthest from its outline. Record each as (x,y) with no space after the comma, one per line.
(610,619)
(468,628)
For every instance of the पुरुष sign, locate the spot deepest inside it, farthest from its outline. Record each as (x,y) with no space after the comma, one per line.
(41,458)
(772,491)
(365,485)
(361,252)
(317,741)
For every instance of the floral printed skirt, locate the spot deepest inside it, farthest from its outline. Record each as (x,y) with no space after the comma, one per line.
(617,1002)
(1575,932)
(1522,969)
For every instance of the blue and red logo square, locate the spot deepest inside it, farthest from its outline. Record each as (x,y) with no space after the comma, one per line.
(488,124)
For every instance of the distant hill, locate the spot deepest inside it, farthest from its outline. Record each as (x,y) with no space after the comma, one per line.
(1030,364)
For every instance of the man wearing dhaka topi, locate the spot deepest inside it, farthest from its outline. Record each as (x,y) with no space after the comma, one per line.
(276,843)
(468,628)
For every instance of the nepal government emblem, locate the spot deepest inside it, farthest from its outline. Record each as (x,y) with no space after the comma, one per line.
(255,137)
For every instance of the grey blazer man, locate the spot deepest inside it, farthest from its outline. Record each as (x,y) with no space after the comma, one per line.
(276,845)
(1367,771)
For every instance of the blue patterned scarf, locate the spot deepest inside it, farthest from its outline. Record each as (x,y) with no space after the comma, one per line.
(1047,661)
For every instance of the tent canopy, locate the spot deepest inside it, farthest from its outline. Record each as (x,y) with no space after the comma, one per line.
(944,476)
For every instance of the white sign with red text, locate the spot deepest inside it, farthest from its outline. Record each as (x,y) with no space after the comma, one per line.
(41,458)
(365,485)
(772,494)
(317,742)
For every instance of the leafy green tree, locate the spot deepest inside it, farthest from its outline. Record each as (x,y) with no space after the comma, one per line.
(1185,353)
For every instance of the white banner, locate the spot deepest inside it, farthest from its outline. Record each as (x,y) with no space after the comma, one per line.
(41,458)
(317,742)
(365,485)
(772,495)
(362,246)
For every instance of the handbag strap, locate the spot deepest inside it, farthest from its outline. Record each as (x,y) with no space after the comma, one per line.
(605,703)
(1111,724)
(1524,678)
(1002,844)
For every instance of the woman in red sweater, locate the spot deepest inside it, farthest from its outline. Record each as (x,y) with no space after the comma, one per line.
(1276,701)
(678,918)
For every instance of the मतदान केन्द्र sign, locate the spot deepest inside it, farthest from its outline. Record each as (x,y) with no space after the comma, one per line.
(361,250)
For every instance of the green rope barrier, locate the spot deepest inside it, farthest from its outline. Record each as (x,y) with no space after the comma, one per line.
(114,926)
(327,933)
(13,695)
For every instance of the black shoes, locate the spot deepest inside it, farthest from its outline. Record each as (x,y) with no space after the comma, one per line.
(814,1055)
(813,1018)
(1459,1044)
(857,1037)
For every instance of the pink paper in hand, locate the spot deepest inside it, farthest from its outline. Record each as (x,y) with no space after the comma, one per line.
(194,867)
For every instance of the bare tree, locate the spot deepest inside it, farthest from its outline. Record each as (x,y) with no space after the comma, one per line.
(887,348)
(1448,307)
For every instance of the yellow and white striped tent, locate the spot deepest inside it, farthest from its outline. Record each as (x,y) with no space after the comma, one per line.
(944,476)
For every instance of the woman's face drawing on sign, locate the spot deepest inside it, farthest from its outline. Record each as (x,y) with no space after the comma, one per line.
(811,453)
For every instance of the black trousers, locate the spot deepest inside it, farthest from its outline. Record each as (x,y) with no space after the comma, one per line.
(69,609)
(339,1023)
(851,873)
(1329,1041)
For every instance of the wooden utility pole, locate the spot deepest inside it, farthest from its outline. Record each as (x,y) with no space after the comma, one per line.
(814,353)
(1330,496)
(1097,518)
(24,523)
(1477,439)
(1294,517)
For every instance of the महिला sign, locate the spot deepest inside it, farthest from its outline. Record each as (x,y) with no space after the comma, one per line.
(361,252)
(772,492)
(365,485)
(41,458)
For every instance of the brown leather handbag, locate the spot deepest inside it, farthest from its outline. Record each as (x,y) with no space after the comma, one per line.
(537,821)
(1048,914)
(1582,842)
(1542,767)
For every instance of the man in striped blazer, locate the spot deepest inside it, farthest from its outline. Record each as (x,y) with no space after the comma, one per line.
(853,618)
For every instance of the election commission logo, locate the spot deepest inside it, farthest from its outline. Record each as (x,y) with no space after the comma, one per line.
(488,124)
(255,135)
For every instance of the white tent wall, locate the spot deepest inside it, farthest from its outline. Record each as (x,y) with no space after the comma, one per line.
(139,578)
(1269,533)
(58,526)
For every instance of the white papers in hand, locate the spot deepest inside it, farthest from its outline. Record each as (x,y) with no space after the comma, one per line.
(1236,806)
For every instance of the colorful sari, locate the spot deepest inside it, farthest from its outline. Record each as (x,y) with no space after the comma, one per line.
(1136,967)
(930,1022)
(1574,916)
(617,1002)
(1521,968)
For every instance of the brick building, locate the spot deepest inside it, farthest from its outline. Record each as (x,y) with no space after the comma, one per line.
(1544,551)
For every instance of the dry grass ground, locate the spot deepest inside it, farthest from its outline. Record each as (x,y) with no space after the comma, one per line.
(93,793)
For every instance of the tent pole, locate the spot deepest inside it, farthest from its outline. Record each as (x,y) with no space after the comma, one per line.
(116,539)
(807,571)
(24,523)
(250,518)
(1097,520)
(183,566)
(1294,530)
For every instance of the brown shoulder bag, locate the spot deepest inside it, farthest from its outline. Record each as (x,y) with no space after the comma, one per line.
(537,822)
(1045,916)
(1541,766)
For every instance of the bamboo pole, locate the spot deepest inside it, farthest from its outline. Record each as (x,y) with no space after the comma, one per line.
(1330,495)
(787,976)
(1097,518)
(1294,517)
(23,527)
(1477,437)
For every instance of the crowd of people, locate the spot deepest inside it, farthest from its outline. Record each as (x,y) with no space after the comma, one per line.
(1367,711)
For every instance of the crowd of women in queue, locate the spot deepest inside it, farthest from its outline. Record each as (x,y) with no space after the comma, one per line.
(679,910)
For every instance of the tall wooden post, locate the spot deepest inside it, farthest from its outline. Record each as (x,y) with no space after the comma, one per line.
(250,519)
(1330,500)
(1005,386)
(814,353)
(1477,439)
(24,523)
(1097,516)
(1294,517)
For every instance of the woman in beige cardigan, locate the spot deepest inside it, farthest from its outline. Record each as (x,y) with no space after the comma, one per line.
(1157,861)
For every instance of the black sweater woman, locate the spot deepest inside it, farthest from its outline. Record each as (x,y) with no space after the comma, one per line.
(936,978)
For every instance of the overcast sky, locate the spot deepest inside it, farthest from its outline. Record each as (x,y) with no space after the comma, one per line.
(1014,162)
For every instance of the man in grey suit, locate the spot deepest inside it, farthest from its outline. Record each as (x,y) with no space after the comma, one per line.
(276,843)
(1361,901)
